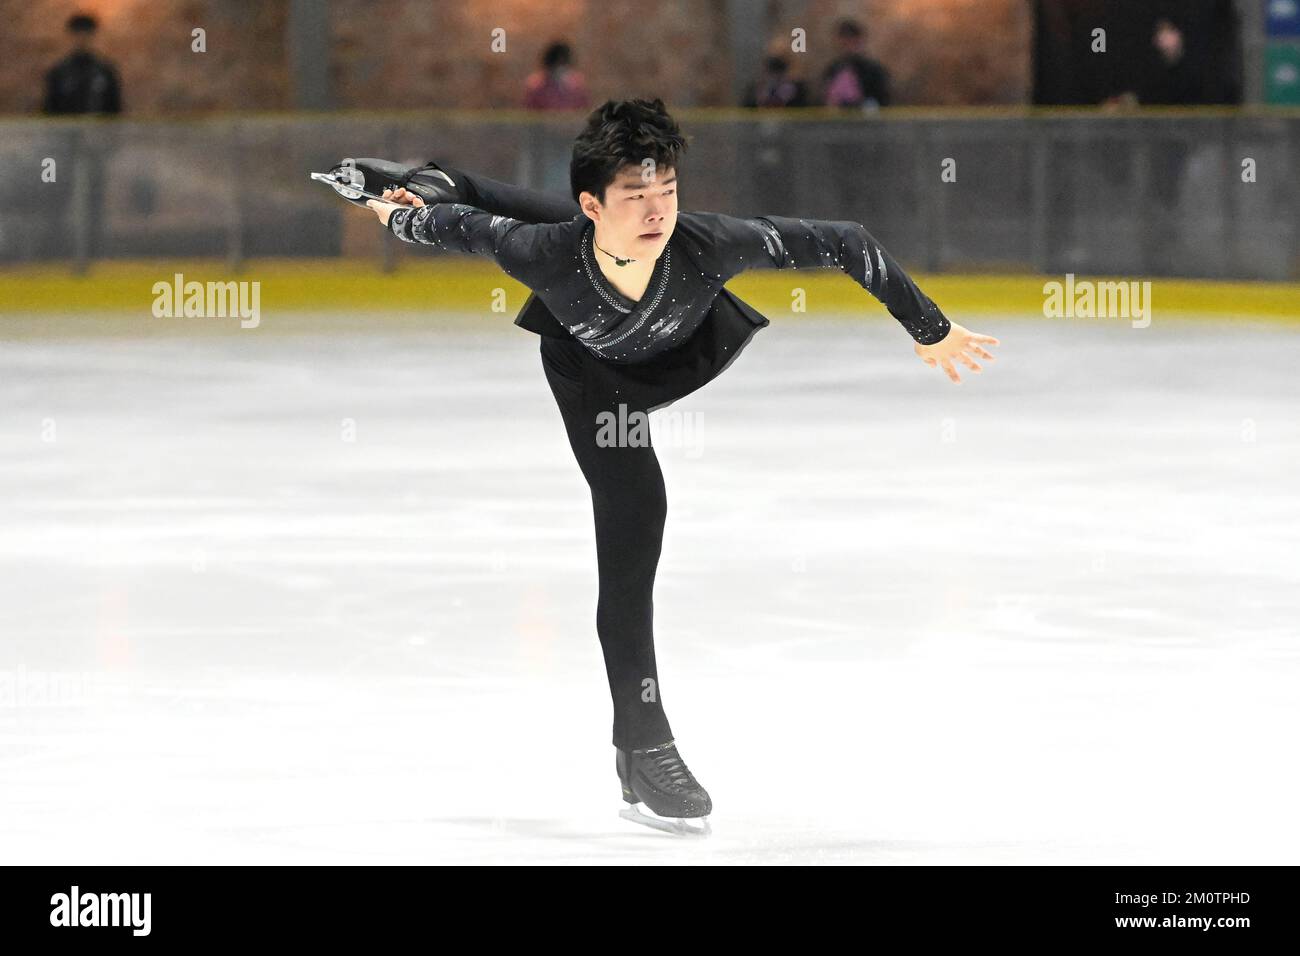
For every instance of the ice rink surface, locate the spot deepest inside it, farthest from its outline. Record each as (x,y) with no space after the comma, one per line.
(329,598)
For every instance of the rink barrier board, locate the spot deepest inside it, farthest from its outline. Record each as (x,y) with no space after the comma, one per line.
(470,286)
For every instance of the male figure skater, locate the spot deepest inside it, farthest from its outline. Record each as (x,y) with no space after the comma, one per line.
(628,297)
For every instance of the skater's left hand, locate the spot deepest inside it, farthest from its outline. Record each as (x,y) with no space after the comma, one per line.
(955,345)
(396,200)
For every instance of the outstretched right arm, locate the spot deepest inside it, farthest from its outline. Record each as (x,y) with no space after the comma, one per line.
(456,227)
(520,248)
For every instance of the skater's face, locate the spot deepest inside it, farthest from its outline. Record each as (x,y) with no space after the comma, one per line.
(639,212)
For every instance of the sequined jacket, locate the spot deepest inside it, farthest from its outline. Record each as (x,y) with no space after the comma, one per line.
(546,243)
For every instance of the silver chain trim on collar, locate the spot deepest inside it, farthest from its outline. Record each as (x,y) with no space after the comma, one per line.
(591,275)
(645,312)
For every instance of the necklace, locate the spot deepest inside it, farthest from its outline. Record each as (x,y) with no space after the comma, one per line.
(617,260)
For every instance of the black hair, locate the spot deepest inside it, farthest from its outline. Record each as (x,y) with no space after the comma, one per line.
(557,54)
(619,133)
(82,23)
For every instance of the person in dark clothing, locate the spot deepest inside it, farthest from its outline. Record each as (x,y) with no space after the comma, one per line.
(82,82)
(852,78)
(776,88)
(1171,79)
(628,295)
(853,81)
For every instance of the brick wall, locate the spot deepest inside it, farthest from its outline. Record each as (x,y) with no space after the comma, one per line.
(245,65)
(437,53)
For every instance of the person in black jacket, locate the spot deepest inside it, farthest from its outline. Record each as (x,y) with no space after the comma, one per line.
(854,79)
(82,82)
(629,297)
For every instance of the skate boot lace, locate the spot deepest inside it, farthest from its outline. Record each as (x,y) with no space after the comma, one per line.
(670,772)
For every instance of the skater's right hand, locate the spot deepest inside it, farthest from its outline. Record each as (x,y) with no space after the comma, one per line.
(402,197)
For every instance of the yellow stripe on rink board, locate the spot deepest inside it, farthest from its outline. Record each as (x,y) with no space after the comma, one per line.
(473,285)
(318,284)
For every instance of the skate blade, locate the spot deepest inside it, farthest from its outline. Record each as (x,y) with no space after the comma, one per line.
(678,826)
(348,189)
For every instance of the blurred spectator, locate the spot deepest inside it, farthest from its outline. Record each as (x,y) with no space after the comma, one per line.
(776,87)
(1182,53)
(556,86)
(1170,77)
(82,82)
(1172,80)
(854,79)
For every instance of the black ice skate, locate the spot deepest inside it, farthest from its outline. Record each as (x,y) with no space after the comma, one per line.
(658,777)
(357,180)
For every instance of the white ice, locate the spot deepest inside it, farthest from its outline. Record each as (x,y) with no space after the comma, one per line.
(329,598)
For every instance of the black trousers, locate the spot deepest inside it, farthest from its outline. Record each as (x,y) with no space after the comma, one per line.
(627,487)
(630,505)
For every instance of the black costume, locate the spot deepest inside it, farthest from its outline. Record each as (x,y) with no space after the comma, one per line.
(601,350)
(82,83)
(872,80)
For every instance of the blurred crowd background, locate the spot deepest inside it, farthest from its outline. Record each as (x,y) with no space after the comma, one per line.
(795,107)
(563,54)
